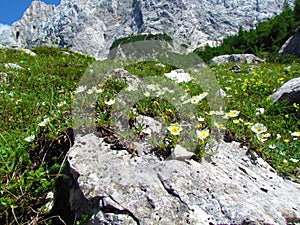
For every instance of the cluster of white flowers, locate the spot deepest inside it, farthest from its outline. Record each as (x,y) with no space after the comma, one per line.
(94,90)
(259,129)
(179,76)
(80,89)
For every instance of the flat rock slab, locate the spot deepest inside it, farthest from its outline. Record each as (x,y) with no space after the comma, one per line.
(125,189)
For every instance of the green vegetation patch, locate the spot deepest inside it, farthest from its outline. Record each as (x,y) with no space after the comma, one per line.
(140,37)
(35,127)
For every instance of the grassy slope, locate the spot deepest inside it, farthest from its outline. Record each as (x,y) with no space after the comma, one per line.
(29,169)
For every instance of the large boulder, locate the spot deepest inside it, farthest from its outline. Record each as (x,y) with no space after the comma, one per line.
(116,187)
(236,58)
(289,91)
(292,45)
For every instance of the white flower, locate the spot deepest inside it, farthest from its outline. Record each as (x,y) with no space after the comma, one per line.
(261,137)
(110,102)
(197,98)
(98,91)
(259,111)
(220,112)
(219,126)
(278,136)
(175,129)
(167,90)
(60,104)
(89,92)
(30,138)
(232,113)
(200,119)
(258,128)
(94,90)
(294,160)
(202,134)
(44,122)
(80,89)
(248,124)
(236,121)
(147,94)
(178,76)
(296,134)
(153,87)
(194,100)
(183,97)
(132,88)
(272,146)
(160,93)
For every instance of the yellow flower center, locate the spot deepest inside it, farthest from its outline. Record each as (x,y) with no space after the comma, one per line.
(175,129)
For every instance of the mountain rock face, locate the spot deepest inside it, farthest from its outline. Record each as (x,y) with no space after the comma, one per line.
(92,25)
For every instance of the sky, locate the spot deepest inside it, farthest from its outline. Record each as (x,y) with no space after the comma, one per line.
(12,10)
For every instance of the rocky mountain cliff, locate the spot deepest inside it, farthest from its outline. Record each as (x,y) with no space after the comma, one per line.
(92,25)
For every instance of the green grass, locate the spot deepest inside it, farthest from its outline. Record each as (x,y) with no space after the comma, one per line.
(42,90)
(36,102)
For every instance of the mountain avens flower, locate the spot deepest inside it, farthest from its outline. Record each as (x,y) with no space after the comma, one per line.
(261,137)
(232,113)
(174,129)
(80,89)
(202,134)
(258,128)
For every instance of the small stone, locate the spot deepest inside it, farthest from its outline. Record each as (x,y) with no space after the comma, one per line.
(180,153)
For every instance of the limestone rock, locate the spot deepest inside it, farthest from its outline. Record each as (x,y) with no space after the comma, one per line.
(236,58)
(289,91)
(292,45)
(180,153)
(148,125)
(29,52)
(114,187)
(91,26)
(13,66)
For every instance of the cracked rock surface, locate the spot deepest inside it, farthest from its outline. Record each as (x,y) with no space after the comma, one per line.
(125,189)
